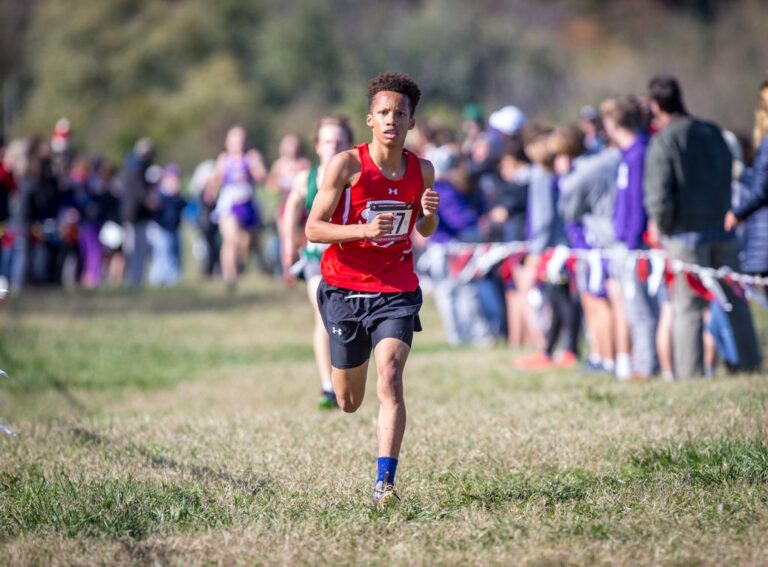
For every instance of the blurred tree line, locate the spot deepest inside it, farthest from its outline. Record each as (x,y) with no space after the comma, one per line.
(181,71)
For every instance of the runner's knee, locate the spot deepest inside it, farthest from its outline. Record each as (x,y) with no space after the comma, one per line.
(390,383)
(348,404)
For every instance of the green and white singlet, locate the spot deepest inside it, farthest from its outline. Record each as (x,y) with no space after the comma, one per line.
(313,251)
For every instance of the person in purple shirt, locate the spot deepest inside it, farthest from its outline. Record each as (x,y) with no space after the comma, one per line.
(458,213)
(624,121)
(629,217)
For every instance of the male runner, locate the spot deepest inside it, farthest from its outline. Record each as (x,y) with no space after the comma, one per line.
(368,204)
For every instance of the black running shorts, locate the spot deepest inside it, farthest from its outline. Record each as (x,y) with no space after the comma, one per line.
(356,321)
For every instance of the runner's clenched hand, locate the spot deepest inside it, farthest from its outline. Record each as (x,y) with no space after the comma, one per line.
(430,201)
(380,226)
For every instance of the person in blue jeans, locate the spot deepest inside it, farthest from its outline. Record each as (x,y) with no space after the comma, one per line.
(165,268)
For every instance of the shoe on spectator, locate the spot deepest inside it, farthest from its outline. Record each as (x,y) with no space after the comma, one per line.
(636,377)
(535,361)
(593,367)
(567,360)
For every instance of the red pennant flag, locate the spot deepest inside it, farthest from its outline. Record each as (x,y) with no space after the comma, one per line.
(541,268)
(459,262)
(643,269)
(698,288)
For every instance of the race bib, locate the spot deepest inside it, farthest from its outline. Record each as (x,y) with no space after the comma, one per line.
(402,213)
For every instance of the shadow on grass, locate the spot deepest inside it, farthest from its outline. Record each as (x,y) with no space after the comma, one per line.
(580,503)
(48,381)
(87,303)
(126,509)
(250,485)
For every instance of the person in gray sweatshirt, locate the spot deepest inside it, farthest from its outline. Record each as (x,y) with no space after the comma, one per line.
(587,195)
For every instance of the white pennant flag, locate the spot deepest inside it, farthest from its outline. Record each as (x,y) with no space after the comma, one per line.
(595,261)
(556,263)
(656,277)
(630,284)
(710,282)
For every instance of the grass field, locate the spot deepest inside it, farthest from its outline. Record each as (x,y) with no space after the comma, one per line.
(179,427)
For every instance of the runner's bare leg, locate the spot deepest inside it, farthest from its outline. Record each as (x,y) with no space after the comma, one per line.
(349,385)
(391,355)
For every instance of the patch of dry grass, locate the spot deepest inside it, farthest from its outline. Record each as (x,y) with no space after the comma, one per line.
(184,432)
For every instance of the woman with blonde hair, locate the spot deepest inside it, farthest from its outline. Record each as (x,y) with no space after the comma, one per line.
(759,197)
(753,210)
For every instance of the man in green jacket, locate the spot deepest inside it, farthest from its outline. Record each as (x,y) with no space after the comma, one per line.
(687,193)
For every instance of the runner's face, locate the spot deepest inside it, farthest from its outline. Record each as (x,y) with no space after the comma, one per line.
(331,139)
(235,142)
(390,118)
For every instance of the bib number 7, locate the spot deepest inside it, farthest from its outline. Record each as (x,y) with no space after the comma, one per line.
(402,218)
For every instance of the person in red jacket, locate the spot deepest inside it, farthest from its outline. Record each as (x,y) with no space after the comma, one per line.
(370,200)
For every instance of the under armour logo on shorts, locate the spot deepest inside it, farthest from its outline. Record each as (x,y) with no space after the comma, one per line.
(393,191)
(337,331)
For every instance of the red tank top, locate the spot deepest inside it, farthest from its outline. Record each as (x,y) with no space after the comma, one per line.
(384,264)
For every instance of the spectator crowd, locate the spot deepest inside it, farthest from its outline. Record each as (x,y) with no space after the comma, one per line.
(585,211)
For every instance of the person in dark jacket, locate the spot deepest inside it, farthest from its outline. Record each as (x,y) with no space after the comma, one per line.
(34,218)
(165,268)
(687,194)
(506,222)
(508,201)
(135,208)
(751,212)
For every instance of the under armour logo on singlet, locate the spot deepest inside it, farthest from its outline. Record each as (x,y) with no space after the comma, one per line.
(393,191)
(337,331)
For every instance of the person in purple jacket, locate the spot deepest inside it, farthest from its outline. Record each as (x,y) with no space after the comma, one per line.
(624,121)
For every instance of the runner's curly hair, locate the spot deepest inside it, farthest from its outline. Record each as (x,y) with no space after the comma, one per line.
(395,82)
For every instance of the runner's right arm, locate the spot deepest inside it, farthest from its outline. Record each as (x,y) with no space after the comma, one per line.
(337,176)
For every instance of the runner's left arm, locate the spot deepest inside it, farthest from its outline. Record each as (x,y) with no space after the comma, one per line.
(430,201)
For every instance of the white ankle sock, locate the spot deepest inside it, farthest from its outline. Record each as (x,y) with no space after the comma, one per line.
(623,366)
